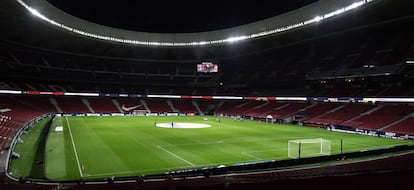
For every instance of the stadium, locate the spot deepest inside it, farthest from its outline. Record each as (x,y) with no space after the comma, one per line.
(316,94)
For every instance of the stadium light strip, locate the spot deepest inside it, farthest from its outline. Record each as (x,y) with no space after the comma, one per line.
(164,96)
(292,98)
(398,100)
(199,43)
(270,98)
(228,98)
(80,94)
(10,92)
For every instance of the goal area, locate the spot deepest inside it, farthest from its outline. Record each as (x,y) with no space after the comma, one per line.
(308,147)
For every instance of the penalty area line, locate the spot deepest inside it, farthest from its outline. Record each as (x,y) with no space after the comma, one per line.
(74,148)
(251,156)
(160,147)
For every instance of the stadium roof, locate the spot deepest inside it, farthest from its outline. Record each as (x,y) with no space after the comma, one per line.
(162,16)
(26,28)
(304,16)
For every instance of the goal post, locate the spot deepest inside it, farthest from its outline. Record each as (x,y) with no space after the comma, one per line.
(308,147)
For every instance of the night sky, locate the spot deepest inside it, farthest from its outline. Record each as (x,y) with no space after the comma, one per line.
(176,16)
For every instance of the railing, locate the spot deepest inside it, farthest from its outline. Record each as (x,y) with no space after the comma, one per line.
(14,142)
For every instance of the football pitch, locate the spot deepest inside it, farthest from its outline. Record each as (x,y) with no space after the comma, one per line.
(102,147)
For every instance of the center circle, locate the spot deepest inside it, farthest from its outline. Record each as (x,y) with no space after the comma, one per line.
(182,125)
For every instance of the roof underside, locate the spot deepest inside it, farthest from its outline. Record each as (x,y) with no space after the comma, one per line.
(176,16)
(26,30)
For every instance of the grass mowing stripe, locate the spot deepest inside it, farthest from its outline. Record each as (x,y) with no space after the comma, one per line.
(176,156)
(74,148)
(55,158)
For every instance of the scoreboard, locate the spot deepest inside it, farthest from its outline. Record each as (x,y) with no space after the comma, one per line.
(207,67)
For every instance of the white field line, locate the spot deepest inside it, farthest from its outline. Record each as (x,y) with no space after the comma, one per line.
(201,165)
(368,146)
(269,150)
(251,156)
(74,148)
(228,140)
(177,168)
(374,145)
(137,171)
(160,147)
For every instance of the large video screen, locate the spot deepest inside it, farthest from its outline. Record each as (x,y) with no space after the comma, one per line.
(207,68)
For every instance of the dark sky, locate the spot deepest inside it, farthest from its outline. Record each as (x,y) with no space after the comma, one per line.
(176,16)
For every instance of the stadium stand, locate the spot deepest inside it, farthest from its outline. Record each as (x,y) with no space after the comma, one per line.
(252,109)
(358,115)
(240,109)
(205,106)
(381,116)
(264,109)
(185,106)
(286,110)
(19,111)
(227,107)
(40,102)
(72,105)
(7,129)
(317,110)
(14,115)
(102,105)
(347,112)
(405,126)
(158,105)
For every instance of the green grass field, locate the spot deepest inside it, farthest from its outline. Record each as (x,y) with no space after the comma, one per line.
(101,147)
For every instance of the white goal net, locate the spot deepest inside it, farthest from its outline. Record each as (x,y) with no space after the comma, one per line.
(308,147)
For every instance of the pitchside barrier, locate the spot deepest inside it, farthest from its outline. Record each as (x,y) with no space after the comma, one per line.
(15,140)
(124,114)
